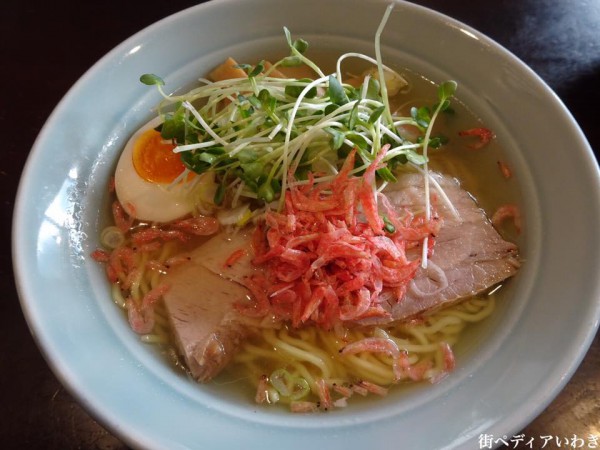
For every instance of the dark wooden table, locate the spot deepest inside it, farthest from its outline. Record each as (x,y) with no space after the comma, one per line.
(46,46)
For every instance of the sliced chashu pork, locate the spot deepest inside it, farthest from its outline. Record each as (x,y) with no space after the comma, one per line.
(200,304)
(469,257)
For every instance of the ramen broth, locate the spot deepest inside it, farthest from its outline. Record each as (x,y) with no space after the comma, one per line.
(477,170)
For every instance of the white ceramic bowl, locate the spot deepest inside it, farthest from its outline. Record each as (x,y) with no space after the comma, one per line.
(524,355)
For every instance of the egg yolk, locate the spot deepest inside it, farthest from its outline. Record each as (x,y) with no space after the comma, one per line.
(154,160)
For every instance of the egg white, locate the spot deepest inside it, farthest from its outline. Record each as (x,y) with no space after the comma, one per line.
(145,200)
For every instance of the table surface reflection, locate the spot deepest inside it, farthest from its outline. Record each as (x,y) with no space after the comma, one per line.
(47,46)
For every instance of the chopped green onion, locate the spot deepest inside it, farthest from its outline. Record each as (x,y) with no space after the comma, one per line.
(112,237)
(289,386)
(388,226)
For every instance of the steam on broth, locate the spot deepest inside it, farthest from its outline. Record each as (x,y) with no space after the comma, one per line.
(326,207)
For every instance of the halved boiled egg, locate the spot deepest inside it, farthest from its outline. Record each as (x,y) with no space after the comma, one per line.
(145,175)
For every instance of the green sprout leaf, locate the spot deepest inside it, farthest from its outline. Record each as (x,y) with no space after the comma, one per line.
(386,175)
(266,192)
(336,92)
(421,115)
(291,61)
(438,141)
(446,90)
(295,90)
(252,169)
(300,45)
(150,79)
(258,69)
(337,137)
(376,114)
(173,128)
(415,158)
(194,162)
(353,119)
(220,193)
(374,90)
